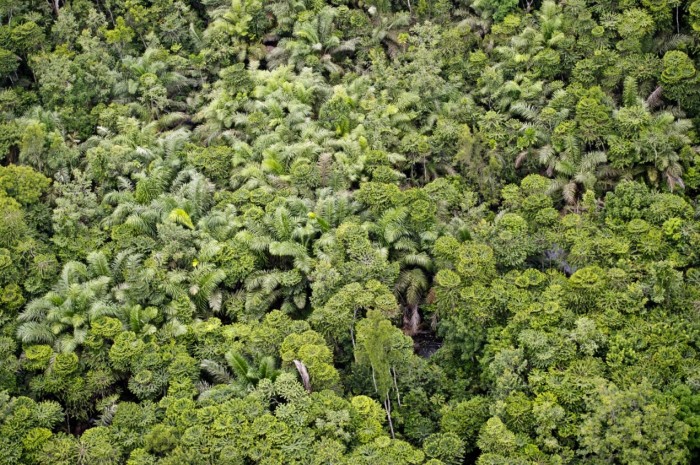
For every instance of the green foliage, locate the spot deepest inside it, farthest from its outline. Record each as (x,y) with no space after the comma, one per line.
(380,232)
(383,348)
(679,76)
(9,62)
(496,9)
(447,448)
(309,347)
(27,37)
(26,427)
(464,419)
(605,431)
(23,183)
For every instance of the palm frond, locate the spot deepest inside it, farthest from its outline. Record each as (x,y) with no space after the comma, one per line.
(238,364)
(216,371)
(33,332)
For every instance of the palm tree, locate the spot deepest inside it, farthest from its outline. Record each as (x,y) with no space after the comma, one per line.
(129,150)
(204,287)
(285,13)
(154,77)
(386,30)
(334,207)
(135,318)
(142,219)
(61,317)
(193,193)
(314,44)
(408,248)
(40,126)
(659,145)
(240,369)
(234,30)
(411,288)
(654,140)
(575,175)
(282,239)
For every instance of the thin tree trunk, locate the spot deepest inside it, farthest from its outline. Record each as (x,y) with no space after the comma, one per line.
(352,329)
(396,386)
(387,407)
(111,16)
(411,322)
(55,5)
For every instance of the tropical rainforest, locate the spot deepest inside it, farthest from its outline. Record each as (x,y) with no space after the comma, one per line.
(349,232)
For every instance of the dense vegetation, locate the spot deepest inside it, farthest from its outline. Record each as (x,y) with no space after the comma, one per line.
(349,232)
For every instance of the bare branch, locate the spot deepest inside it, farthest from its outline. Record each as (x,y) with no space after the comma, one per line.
(303,372)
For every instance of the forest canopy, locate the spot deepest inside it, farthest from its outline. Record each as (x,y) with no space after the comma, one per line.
(347,232)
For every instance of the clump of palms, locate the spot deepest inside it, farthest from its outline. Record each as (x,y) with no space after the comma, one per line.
(315,43)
